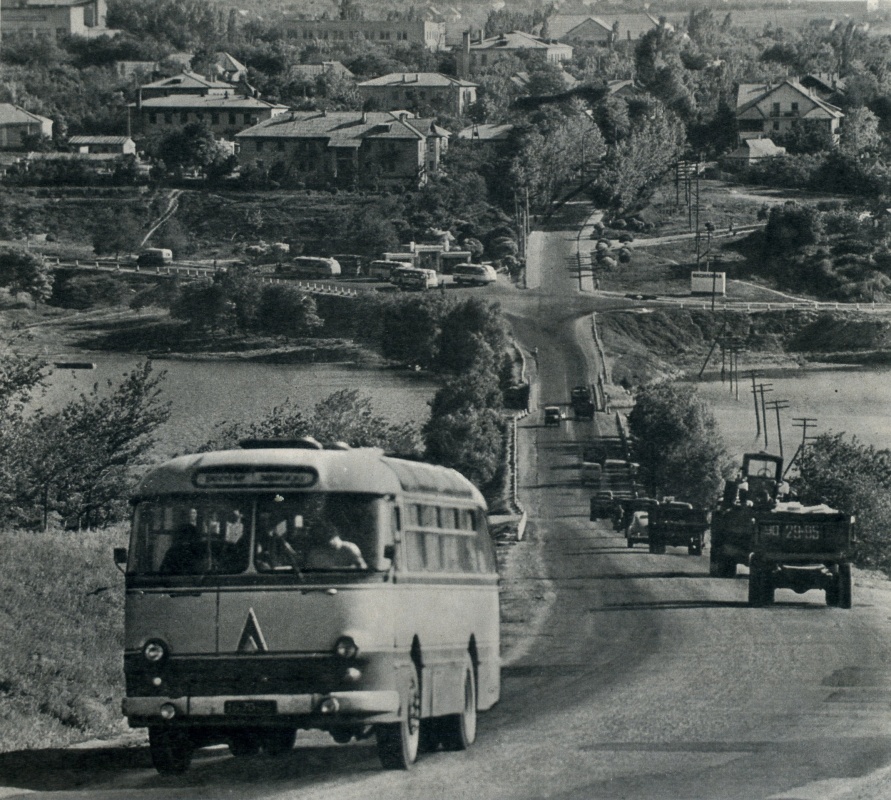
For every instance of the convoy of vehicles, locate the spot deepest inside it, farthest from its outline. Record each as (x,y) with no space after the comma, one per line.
(284,586)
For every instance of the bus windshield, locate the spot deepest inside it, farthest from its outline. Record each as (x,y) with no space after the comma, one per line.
(268,533)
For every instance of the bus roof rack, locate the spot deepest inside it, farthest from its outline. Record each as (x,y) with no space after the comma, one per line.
(339,445)
(304,443)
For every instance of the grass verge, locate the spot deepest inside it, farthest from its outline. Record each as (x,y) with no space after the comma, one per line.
(61,624)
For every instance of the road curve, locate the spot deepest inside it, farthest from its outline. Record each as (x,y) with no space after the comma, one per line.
(627,675)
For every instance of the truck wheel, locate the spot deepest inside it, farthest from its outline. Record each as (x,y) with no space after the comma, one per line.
(756,593)
(767,589)
(398,743)
(171,750)
(845,586)
(832,592)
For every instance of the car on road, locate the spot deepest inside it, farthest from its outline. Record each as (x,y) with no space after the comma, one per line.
(603,505)
(591,472)
(552,415)
(474,274)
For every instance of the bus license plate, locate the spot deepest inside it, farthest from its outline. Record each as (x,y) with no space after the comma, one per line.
(250,707)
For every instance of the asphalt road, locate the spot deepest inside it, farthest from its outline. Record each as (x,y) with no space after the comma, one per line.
(627,675)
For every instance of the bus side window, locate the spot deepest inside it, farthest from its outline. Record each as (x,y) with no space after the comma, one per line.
(451,553)
(484,544)
(414,549)
(431,552)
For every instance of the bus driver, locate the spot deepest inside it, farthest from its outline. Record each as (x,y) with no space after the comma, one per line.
(330,551)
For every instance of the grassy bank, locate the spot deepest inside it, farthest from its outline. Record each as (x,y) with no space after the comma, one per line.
(61,623)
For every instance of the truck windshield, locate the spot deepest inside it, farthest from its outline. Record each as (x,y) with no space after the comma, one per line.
(219,534)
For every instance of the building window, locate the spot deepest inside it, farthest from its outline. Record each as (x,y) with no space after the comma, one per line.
(168,119)
(183,117)
(775,110)
(232,119)
(794,108)
(776,126)
(280,145)
(260,145)
(153,119)
(214,118)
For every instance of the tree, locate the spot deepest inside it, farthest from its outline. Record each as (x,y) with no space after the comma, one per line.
(471,331)
(115,233)
(287,311)
(411,330)
(78,462)
(191,147)
(675,440)
(856,479)
(469,440)
(860,133)
(24,271)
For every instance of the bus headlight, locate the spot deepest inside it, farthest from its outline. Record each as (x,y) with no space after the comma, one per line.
(154,651)
(346,647)
(168,711)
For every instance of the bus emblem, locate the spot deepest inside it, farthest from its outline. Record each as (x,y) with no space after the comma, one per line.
(252,640)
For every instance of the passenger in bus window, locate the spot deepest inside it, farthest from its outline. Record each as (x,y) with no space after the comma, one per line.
(276,553)
(330,551)
(234,527)
(188,553)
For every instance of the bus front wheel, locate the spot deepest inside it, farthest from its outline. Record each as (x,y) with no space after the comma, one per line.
(397,743)
(171,750)
(458,731)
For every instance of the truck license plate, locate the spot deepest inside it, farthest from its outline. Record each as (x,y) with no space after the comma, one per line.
(250,707)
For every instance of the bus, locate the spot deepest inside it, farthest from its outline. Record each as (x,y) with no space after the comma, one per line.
(414,279)
(283,586)
(309,267)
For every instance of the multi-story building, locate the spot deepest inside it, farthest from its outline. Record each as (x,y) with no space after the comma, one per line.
(186,83)
(476,56)
(602,30)
(52,17)
(430,35)
(16,125)
(345,148)
(769,110)
(419,91)
(225,115)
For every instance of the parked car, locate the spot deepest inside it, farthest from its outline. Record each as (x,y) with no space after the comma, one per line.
(474,274)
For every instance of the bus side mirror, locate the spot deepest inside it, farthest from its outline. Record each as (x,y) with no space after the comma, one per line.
(120,557)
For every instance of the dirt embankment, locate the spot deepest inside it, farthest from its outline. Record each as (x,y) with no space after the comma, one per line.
(646,344)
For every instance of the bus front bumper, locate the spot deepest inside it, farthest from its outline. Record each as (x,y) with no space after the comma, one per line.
(260,708)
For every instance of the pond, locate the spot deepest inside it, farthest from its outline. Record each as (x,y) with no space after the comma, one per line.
(851,399)
(205,393)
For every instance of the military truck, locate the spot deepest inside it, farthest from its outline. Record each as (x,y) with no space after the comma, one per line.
(582,401)
(801,548)
(733,522)
(677,524)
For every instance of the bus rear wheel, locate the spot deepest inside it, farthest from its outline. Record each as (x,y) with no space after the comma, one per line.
(171,750)
(398,742)
(458,731)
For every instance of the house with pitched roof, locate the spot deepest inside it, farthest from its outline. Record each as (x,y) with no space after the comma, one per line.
(53,18)
(310,71)
(16,125)
(186,83)
(345,148)
(764,110)
(116,145)
(224,114)
(474,57)
(418,91)
(601,30)
(751,151)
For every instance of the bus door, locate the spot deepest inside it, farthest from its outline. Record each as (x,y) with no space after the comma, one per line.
(181,549)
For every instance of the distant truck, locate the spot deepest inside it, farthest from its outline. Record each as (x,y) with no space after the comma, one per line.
(552,415)
(582,401)
(676,524)
(785,545)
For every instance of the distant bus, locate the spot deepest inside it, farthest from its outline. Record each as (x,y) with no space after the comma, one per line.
(382,270)
(309,267)
(414,279)
(284,586)
(154,257)
(474,274)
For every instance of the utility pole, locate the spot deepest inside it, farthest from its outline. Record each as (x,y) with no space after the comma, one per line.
(778,405)
(762,388)
(804,423)
(754,374)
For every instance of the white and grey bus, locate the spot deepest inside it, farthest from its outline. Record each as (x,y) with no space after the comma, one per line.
(283,586)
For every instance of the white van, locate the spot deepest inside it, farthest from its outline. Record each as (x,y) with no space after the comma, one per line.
(474,274)
(382,270)
(154,257)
